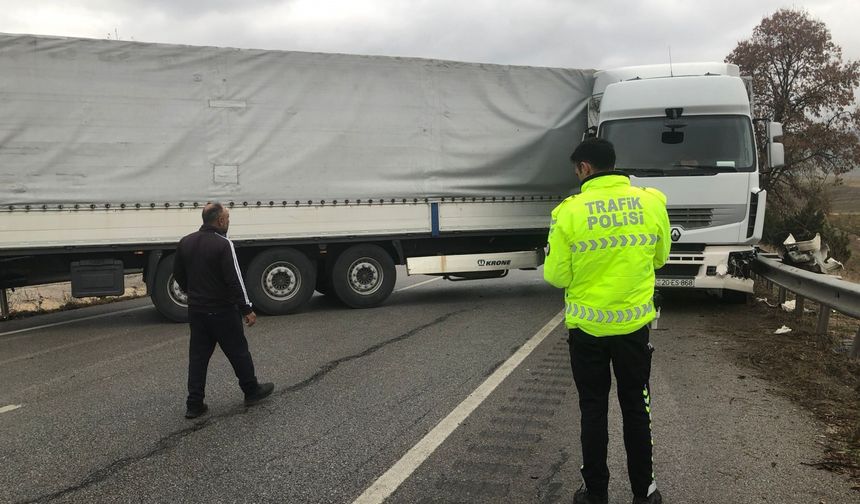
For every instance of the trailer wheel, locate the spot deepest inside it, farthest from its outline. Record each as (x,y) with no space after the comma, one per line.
(280,281)
(169,299)
(363,276)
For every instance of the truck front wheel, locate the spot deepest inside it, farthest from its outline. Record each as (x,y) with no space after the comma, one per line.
(363,276)
(280,281)
(169,299)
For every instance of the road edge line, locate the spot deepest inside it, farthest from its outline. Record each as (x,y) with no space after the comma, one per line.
(391,480)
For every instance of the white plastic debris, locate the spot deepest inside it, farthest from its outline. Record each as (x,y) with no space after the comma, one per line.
(811,255)
(782,330)
(765,301)
(789,306)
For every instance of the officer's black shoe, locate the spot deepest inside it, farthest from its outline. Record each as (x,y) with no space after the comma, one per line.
(654,498)
(263,391)
(583,496)
(196,410)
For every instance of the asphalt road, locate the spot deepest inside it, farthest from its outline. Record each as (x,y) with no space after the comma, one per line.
(101,396)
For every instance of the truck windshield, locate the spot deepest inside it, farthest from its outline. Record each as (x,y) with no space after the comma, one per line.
(688,145)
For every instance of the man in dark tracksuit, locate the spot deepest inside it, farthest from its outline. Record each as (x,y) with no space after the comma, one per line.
(207,270)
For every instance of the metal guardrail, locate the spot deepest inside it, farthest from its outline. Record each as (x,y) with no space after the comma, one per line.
(830,293)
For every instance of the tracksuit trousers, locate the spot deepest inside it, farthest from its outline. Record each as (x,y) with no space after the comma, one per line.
(225,329)
(630,357)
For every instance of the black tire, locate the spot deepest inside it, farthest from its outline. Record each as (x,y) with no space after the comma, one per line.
(280,281)
(363,276)
(168,298)
(734,297)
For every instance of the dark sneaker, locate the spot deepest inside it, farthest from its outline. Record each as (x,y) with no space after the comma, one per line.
(583,496)
(263,391)
(196,410)
(654,498)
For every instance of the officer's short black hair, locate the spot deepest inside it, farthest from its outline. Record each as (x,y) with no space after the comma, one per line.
(596,151)
(211,212)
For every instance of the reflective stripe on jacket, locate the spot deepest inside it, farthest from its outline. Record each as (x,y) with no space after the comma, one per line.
(604,245)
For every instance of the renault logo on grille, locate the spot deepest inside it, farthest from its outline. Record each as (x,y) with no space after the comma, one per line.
(676,234)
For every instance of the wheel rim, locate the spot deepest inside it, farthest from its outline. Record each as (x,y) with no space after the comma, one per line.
(175,292)
(281,281)
(365,276)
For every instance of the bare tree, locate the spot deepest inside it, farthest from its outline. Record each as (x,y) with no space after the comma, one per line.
(802,81)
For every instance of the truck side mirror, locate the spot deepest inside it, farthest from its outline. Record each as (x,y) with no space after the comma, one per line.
(775,150)
(774,130)
(776,155)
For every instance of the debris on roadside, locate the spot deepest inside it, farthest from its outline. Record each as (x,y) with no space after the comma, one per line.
(783,330)
(765,301)
(790,306)
(811,255)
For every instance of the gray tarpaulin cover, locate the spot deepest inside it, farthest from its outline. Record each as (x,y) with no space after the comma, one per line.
(98,121)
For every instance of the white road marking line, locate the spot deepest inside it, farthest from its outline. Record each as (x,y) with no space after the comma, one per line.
(28,329)
(91,317)
(56,348)
(11,407)
(84,370)
(419,284)
(383,487)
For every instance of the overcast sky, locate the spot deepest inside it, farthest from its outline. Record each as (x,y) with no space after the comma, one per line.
(563,33)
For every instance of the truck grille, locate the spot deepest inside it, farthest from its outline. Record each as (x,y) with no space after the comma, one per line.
(691,218)
(706,216)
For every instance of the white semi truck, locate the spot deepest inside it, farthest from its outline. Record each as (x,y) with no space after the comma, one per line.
(688,130)
(335,167)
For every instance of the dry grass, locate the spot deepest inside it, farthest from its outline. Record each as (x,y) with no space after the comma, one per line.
(27,301)
(845,215)
(815,373)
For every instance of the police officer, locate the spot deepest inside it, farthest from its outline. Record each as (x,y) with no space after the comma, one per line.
(604,245)
(207,270)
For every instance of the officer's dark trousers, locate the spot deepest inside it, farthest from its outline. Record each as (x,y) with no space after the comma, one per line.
(630,356)
(225,329)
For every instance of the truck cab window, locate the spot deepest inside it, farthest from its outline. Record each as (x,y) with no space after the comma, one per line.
(689,145)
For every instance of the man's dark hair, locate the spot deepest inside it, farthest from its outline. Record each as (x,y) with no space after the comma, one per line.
(211,212)
(596,151)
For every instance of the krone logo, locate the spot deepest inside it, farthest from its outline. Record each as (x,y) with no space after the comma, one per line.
(676,234)
(494,262)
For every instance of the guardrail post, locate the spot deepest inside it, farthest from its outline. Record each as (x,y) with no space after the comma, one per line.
(782,294)
(855,348)
(798,306)
(823,320)
(4,305)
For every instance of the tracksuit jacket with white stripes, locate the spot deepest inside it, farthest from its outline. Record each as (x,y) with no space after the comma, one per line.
(208,271)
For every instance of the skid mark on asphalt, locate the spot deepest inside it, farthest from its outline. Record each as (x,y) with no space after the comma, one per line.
(164,444)
(458,487)
(171,440)
(332,365)
(486,470)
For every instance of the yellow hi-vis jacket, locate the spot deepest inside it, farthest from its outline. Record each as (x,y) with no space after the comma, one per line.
(604,245)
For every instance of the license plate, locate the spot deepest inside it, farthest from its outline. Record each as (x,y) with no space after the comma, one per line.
(674,282)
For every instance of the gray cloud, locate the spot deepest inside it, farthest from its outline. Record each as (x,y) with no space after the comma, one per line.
(538,32)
